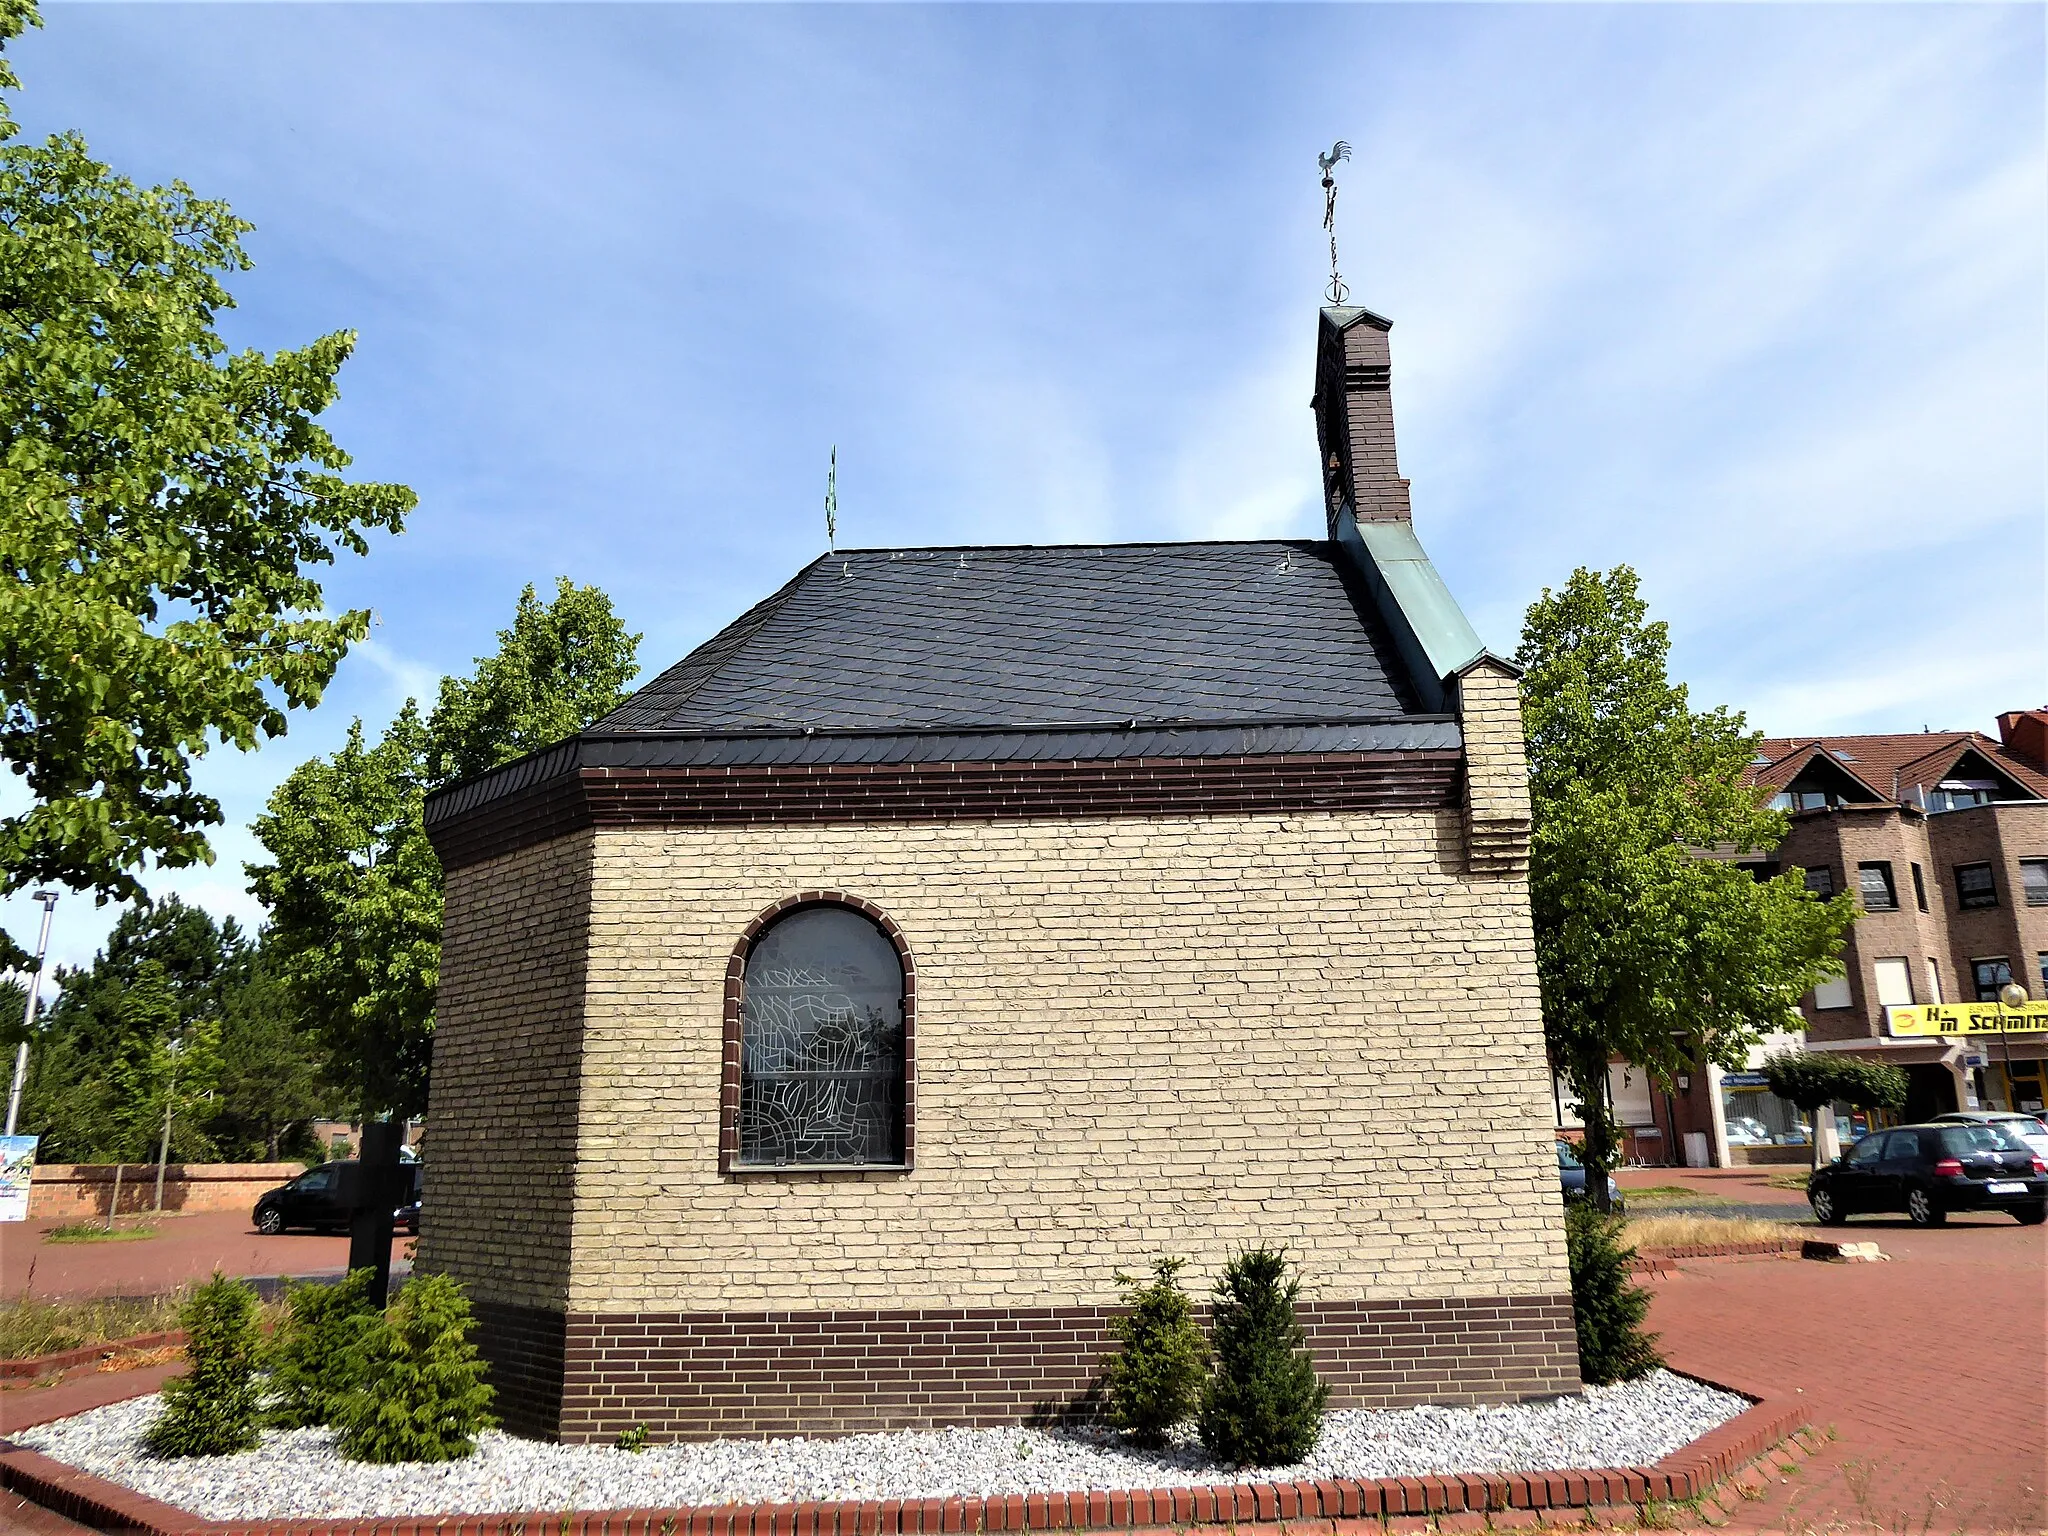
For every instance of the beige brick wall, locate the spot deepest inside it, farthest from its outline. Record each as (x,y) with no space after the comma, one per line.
(1496,770)
(1133,1037)
(501,1121)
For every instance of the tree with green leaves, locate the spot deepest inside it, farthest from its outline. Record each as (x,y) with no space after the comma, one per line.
(1645,948)
(352,885)
(247,1074)
(168,502)
(1817,1079)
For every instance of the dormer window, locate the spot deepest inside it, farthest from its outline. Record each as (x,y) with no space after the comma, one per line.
(1961,794)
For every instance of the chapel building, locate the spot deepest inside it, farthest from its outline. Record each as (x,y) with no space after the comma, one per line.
(820,1032)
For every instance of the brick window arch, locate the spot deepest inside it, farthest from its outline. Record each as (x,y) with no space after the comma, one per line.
(818,1072)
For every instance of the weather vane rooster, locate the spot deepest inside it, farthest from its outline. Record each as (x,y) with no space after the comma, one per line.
(1338,151)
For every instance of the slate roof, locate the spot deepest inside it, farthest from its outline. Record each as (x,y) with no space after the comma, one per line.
(1020,654)
(1034,637)
(1892,764)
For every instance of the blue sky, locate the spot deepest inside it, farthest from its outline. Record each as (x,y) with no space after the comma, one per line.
(1748,297)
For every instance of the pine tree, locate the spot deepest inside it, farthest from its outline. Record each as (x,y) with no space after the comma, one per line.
(317,1357)
(212,1409)
(422,1396)
(1264,1405)
(1607,1305)
(1156,1380)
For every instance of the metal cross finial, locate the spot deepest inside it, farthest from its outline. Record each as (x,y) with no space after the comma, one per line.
(832,501)
(1338,151)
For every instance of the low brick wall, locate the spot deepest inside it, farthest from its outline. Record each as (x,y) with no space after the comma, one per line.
(79,1191)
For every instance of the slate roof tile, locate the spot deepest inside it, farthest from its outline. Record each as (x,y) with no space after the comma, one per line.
(992,638)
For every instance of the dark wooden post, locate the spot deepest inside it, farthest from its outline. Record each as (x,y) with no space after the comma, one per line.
(373,1197)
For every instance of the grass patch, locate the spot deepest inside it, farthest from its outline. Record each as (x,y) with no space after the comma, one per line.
(96,1232)
(32,1328)
(1790,1179)
(1673,1194)
(1700,1231)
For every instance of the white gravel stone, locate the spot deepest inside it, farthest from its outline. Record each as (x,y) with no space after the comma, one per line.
(299,1474)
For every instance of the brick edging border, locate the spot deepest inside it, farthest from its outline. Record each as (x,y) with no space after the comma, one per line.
(1688,1473)
(27,1367)
(1661,1261)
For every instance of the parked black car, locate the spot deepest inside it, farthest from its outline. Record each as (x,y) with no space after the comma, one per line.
(1571,1173)
(313,1199)
(1928,1171)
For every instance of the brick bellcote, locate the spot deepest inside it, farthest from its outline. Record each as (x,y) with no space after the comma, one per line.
(1354,406)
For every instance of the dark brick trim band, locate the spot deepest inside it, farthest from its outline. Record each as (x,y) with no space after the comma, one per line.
(524,1348)
(1457,1500)
(806,794)
(735,1000)
(701,1375)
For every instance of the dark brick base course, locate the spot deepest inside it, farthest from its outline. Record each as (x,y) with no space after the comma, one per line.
(586,1376)
(524,1348)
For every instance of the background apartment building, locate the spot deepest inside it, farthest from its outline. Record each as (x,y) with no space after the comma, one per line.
(1943,838)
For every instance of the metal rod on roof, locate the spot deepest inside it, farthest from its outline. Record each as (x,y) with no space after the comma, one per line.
(1338,151)
(832,502)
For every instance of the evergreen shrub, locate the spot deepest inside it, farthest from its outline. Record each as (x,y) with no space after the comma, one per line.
(1263,1407)
(1608,1307)
(1155,1381)
(316,1357)
(422,1395)
(212,1410)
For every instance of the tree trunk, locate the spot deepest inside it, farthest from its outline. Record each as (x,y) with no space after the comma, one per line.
(1589,1076)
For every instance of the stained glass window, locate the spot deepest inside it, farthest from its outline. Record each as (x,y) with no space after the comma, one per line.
(821,1043)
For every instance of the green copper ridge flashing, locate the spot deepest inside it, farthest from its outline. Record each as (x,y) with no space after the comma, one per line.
(1345,315)
(1435,639)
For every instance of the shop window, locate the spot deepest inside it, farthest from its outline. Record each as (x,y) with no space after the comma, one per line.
(1989,976)
(1894,983)
(1832,994)
(1874,886)
(1919,888)
(1821,881)
(1757,1117)
(1975,887)
(2034,881)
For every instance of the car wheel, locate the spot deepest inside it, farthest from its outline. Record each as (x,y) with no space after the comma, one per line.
(1825,1211)
(270,1221)
(2032,1215)
(1922,1210)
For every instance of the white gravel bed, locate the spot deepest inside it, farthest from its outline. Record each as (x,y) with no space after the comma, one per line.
(299,1474)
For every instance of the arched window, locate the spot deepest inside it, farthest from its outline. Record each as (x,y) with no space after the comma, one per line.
(822,1044)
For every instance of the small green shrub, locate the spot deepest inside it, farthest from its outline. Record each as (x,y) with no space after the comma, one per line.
(1263,1407)
(316,1357)
(422,1396)
(1607,1305)
(211,1410)
(1155,1381)
(633,1438)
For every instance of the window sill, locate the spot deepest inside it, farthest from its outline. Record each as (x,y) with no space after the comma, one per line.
(753,1169)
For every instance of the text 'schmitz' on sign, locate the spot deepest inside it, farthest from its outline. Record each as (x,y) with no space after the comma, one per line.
(1968,1019)
(17,1169)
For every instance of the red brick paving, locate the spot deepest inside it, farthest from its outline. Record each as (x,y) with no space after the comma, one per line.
(185,1248)
(18,1517)
(1932,1371)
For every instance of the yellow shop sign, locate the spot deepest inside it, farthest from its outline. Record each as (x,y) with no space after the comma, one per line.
(1968,1019)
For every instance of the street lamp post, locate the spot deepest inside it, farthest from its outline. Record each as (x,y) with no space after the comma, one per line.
(2011,995)
(28,1011)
